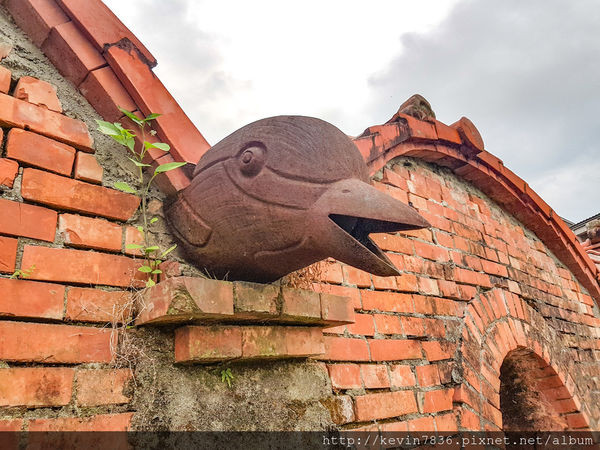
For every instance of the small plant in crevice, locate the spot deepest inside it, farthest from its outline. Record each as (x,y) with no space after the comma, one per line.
(23,273)
(227,376)
(151,252)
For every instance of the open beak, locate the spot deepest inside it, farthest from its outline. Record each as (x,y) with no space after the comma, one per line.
(348,212)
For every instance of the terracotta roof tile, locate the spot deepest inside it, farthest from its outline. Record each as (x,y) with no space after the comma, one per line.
(36,17)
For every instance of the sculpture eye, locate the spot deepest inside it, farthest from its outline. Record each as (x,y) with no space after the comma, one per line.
(252,160)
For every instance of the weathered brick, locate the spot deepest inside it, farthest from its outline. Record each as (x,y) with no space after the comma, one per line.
(354,276)
(106,93)
(401,376)
(5,78)
(38,92)
(363,325)
(36,17)
(133,236)
(345,349)
(255,299)
(21,114)
(20,219)
(104,422)
(384,405)
(344,376)
(95,305)
(435,401)
(394,349)
(262,342)
(172,181)
(53,343)
(79,266)
(65,193)
(8,172)
(8,254)
(21,298)
(102,386)
(428,375)
(35,387)
(387,301)
(387,324)
(40,151)
(182,299)
(207,344)
(87,168)
(300,304)
(336,309)
(81,231)
(375,376)
(340,408)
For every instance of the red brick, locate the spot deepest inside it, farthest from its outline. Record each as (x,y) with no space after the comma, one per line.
(256,299)
(363,325)
(95,305)
(430,251)
(11,425)
(17,113)
(187,144)
(394,349)
(468,420)
(446,422)
(301,304)
(20,219)
(344,291)
(344,376)
(435,401)
(38,92)
(387,324)
(21,298)
(65,193)
(172,181)
(5,79)
(336,309)
(387,301)
(8,254)
(407,282)
(576,421)
(401,376)
(102,386)
(81,231)
(36,17)
(384,405)
(40,151)
(104,422)
(207,344)
(87,168)
(101,26)
(393,242)
(428,375)
(79,266)
(71,53)
(428,286)
(354,276)
(384,282)
(375,376)
(48,386)
(8,172)
(437,351)
(413,326)
(345,349)
(133,237)
(54,343)
(260,342)
(106,94)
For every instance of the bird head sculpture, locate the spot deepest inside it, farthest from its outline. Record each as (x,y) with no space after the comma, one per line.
(280,194)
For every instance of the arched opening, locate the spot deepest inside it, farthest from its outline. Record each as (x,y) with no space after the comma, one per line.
(532,395)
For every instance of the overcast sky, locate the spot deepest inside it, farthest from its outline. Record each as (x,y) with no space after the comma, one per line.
(527,73)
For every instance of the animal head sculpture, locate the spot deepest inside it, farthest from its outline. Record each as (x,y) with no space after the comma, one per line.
(280,194)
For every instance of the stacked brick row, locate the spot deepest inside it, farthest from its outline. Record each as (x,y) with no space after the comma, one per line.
(426,347)
(64,271)
(91,48)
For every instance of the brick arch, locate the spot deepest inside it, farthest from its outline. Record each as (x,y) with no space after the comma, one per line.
(501,328)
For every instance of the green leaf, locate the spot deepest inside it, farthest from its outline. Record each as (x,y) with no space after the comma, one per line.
(145,269)
(152,248)
(151,117)
(140,229)
(169,250)
(154,219)
(134,246)
(131,116)
(157,271)
(107,128)
(137,163)
(162,146)
(122,186)
(150,283)
(168,166)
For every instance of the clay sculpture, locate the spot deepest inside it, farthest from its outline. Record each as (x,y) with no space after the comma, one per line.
(280,194)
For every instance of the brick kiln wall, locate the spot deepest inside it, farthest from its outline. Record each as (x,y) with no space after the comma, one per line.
(426,349)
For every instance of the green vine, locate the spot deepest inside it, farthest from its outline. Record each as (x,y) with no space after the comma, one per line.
(126,138)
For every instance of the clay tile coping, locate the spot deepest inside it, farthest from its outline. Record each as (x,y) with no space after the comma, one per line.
(408,136)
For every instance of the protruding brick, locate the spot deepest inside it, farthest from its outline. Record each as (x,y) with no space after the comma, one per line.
(17,113)
(79,266)
(35,387)
(81,231)
(384,405)
(21,219)
(102,386)
(8,172)
(207,344)
(184,299)
(38,92)
(54,343)
(65,193)
(22,298)
(36,17)
(87,168)
(301,305)
(469,133)
(106,94)
(133,236)
(71,53)
(336,309)
(172,181)
(8,254)
(40,151)
(104,422)
(268,342)
(255,299)
(5,77)
(94,305)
